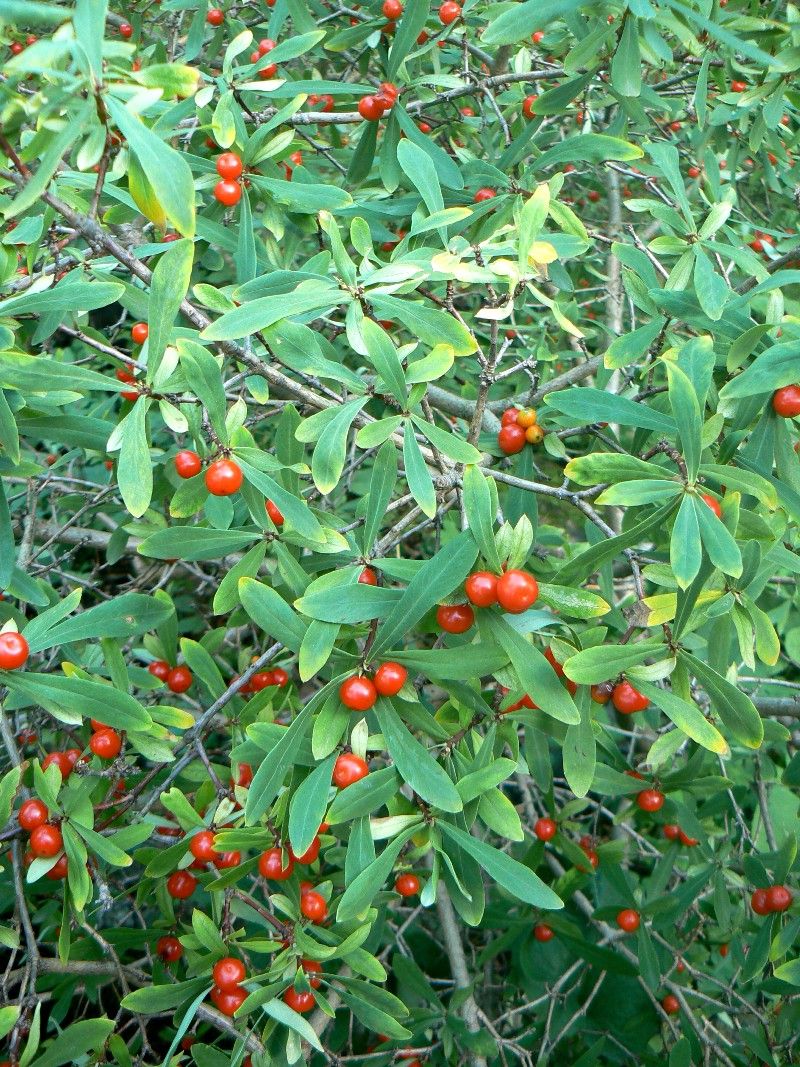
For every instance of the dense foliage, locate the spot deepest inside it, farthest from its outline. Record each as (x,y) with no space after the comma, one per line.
(399,639)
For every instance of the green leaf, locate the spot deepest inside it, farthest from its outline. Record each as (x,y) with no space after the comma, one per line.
(360,893)
(276,1009)
(579,754)
(37,374)
(419,169)
(746,482)
(687,717)
(125,616)
(514,877)
(375,1008)
(717,540)
(434,581)
(574,603)
(383,356)
(454,447)
(412,21)
(308,804)
(712,289)
(96,700)
(72,1043)
(168,288)
(175,187)
(381,488)
(295,509)
(269,777)
(626,63)
(590,148)
(430,325)
(258,314)
(196,543)
(515,23)
(685,554)
(418,477)
(347,604)
(204,376)
(612,467)
(150,1000)
(479,511)
(271,613)
(414,762)
(734,707)
(330,453)
(596,405)
(135,471)
(604,662)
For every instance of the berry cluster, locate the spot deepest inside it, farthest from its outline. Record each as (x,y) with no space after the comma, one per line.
(518,427)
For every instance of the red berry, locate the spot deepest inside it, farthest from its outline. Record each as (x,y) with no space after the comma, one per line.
(738,87)
(274,513)
(392,9)
(61,760)
(264,46)
(484,194)
(58,870)
(759,902)
(449,12)
(169,949)
(13,650)
(227,192)
(230,1002)
(139,332)
(650,800)
(684,839)
(159,669)
(694,172)
(279,677)
(627,700)
(228,973)
(126,30)
(310,853)
(229,166)
(223,477)
(511,439)
(545,829)
(106,743)
(179,679)
(368,577)
(407,885)
(527,106)
(370,108)
(481,589)
(187,463)
(390,678)
(349,768)
(670,1004)
(358,693)
(543,932)
(455,618)
(271,865)
(516,591)
(786,401)
(300,1002)
(779,898)
(671,831)
(46,840)
(202,848)
(628,920)
(312,967)
(509,417)
(215,16)
(313,906)
(31,814)
(181,884)
(537,37)
(715,505)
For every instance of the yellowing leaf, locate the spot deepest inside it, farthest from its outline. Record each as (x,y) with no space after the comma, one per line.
(663,605)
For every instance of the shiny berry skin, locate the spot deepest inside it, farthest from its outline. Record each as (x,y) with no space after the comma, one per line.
(349,768)
(313,906)
(46,841)
(310,853)
(407,885)
(627,700)
(759,902)
(159,669)
(484,194)
(670,1004)
(368,577)
(601,694)
(279,677)
(628,920)
(738,87)
(181,885)
(126,30)
(527,106)
(516,591)
(215,16)
(455,618)
(312,967)
(299,1002)
(13,650)
(481,589)
(779,898)
(139,332)
(179,679)
(511,439)
(228,859)
(715,505)
(271,865)
(31,814)
(224,477)
(684,839)
(358,693)
(61,760)
(229,166)
(169,949)
(227,192)
(671,831)
(187,463)
(549,655)
(509,417)
(534,435)
(545,829)
(650,800)
(449,12)
(105,743)
(370,108)
(390,678)
(542,932)
(230,1002)
(58,870)
(202,848)
(261,680)
(392,9)
(228,973)
(786,401)
(274,513)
